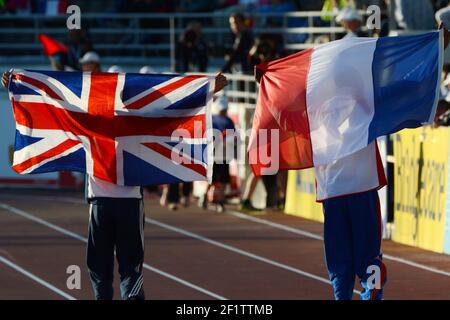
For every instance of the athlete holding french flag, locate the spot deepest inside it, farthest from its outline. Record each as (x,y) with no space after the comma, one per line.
(328,106)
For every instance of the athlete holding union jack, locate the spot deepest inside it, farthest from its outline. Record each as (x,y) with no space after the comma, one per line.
(116,211)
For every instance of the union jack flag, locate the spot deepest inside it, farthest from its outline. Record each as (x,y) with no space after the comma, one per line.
(128,129)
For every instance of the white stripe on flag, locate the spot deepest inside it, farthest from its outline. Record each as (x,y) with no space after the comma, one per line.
(339,98)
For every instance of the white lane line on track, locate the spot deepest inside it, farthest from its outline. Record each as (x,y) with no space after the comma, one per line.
(297,231)
(65,199)
(41,281)
(319,237)
(69,233)
(239,251)
(274,225)
(186,283)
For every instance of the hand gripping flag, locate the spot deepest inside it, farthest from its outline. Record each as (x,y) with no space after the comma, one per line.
(127,129)
(329,102)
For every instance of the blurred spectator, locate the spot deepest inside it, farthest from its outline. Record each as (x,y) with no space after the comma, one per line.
(116,69)
(90,62)
(51,7)
(243,41)
(443,15)
(351,20)
(146,69)
(445,86)
(78,46)
(442,117)
(191,51)
(221,168)
(332,6)
(414,15)
(19,7)
(171,195)
(267,47)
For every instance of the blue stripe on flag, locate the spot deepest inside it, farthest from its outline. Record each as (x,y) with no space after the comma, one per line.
(75,161)
(136,83)
(23,141)
(138,172)
(405,78)
(194,100)
(72,80)
(195,151)
(19,88)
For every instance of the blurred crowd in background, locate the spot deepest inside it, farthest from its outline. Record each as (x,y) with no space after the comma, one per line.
(194,48)
(404,14)
(407,14)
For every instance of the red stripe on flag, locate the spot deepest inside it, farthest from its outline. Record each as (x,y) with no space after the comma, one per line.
(38,84)
(153,96)
(282,106)
(45,116)
(60,148)
(102,94)
(37,115)
(101,109)
(188,163)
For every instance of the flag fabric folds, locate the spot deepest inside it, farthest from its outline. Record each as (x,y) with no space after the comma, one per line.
(334,100)
(124,128)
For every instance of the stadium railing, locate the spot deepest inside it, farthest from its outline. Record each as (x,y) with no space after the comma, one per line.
(141,37)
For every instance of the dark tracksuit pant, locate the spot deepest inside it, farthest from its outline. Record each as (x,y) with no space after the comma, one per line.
(116,225)
(270,183)
(352,237)
(173,195)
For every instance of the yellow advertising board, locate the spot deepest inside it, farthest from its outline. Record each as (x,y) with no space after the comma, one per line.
(421,193)
(301,195)
(420,187)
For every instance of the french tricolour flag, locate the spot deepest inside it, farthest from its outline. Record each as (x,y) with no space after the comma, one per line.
(336,99)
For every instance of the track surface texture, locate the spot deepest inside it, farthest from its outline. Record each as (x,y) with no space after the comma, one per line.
(191,253)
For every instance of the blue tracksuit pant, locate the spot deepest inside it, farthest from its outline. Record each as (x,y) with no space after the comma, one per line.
(352,237)
(116,225)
